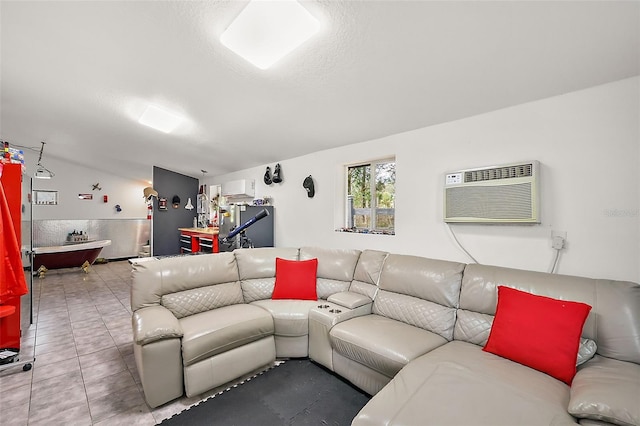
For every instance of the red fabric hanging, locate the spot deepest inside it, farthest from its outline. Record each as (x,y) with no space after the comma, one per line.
(12,281)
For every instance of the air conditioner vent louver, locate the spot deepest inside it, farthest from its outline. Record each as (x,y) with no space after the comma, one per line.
(505,202)
(495,194)
(507,172)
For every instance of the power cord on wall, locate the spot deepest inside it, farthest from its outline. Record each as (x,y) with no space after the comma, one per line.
(460,245)
(557,243)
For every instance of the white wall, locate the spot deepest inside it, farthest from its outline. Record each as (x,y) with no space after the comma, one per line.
(588,143)
(71,179)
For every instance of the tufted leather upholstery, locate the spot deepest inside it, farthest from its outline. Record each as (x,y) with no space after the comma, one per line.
(218,309)
(614,321)
(407,327)
(174,274)
(194,301)
(257,270)
(493,390)
(414,312)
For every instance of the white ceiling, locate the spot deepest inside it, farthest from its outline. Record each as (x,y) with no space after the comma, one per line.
(78,74)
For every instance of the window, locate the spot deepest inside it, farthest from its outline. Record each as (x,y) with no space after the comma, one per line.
(371,197)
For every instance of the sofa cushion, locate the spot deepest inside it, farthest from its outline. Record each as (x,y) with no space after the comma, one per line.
(611,323)
(421,292)
(435,280)
(459,384)
(257,270)
(201,299)
(295,279)
(257,289)
(335,268)
(538,331)
(416,312)
(608,390)
(369,266)
(333,264)
(290,317)
(152,280)
(383,344)
(209,333)
(260,262)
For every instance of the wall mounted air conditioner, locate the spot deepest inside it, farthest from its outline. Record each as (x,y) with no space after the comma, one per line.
(243,188)
(496,194)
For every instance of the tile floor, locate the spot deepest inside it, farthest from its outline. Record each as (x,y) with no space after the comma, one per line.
(84,371)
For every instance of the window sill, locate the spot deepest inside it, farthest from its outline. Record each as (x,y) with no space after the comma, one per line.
(366,231)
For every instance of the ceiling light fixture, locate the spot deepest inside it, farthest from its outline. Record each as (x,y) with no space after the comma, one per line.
(265,31)
(42,172)
(160,119)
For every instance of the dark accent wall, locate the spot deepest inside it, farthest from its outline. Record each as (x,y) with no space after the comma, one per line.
(166,237)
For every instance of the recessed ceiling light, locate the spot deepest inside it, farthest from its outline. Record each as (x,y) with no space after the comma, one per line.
(160,119)
(265,31)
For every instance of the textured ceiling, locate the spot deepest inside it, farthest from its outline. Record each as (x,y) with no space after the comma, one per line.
(78,75)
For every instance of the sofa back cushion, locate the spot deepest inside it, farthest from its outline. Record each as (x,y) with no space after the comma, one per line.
(257,270)
(421,292)
(612,322)
(190,302)
(153,279)
(367,273)
(335,268)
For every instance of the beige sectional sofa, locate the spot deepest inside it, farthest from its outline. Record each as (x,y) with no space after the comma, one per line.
(405,329)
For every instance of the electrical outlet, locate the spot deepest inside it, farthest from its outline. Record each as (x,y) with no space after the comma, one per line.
(557,243)
(558,239)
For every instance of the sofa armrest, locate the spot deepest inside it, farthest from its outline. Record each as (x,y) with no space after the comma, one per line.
(607,389)
(349,299)
(333,313)
(154,323)
(321,321)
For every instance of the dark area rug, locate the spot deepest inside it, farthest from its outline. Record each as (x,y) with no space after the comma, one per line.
(298,392)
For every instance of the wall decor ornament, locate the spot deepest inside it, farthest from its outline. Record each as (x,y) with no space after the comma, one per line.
(309,186)
(189,206)
(267,176)
(162,203)
(277,174)
(44,197)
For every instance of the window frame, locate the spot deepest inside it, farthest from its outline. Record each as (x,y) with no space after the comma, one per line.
(373,216)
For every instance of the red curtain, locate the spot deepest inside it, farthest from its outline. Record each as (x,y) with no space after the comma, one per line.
(12,281)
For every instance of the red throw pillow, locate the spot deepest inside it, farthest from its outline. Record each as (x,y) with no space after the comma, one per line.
(538,331)
(295,279)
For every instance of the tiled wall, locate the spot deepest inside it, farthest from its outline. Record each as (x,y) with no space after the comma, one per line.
(126,235)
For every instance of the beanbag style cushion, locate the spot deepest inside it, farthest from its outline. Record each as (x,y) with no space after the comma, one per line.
(537,331)
(295,279)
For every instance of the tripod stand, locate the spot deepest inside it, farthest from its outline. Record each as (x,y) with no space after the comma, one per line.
(239,241)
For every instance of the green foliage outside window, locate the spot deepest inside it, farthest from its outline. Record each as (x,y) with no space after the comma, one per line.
(371,196)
